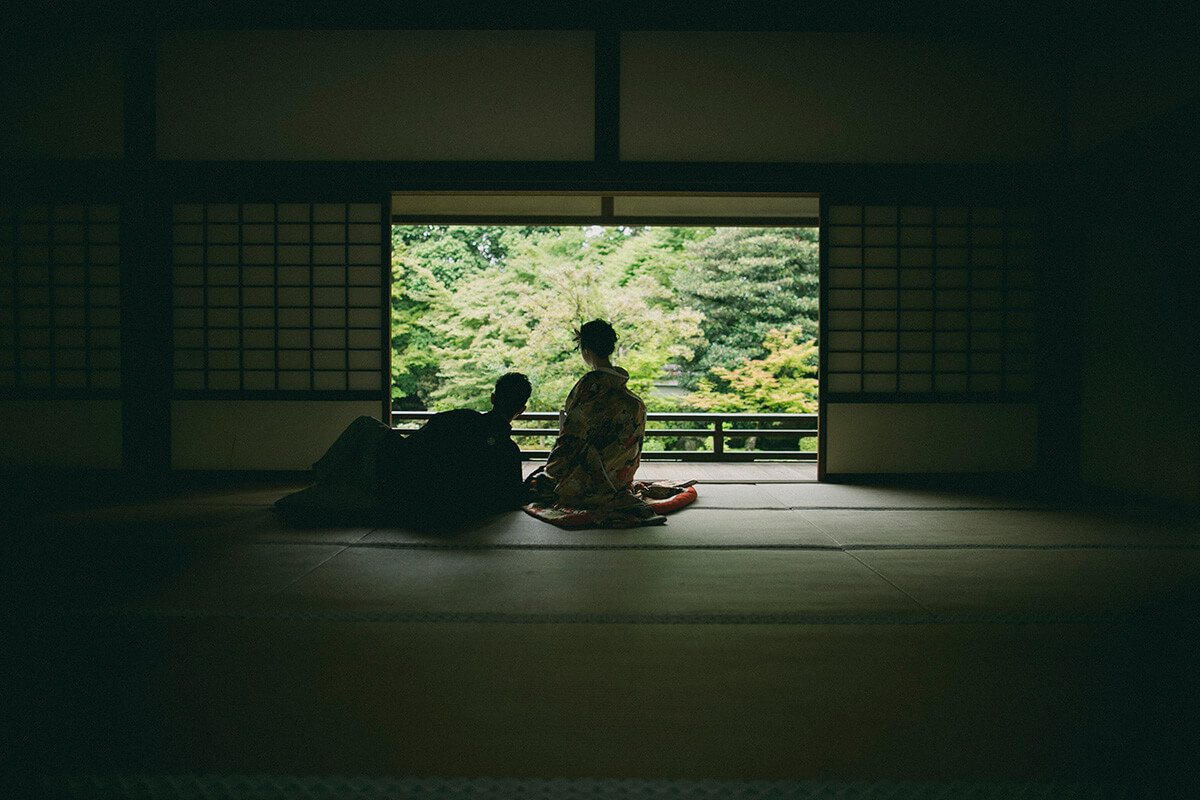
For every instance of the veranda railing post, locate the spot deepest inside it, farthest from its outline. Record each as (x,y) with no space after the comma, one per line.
(718,438)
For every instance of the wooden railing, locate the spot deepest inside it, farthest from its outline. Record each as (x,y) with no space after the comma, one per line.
(707,436)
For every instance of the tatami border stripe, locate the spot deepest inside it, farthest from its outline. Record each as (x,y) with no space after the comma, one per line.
(501,618)
(685,546)
(712,507)
(304,787)
(980,546)
(581,546)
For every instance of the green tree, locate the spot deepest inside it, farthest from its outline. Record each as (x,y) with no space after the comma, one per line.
(415,290)
(783,381)
(452,251)
(746,282)
(428,261)
(522,317)
(471,302)
(659,253)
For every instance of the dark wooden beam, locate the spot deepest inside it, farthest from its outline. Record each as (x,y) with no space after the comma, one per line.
(146,357)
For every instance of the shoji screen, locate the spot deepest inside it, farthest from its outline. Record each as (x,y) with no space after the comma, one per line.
(930,316)
(930,300)
(60,297)
(60,333)
(275,303)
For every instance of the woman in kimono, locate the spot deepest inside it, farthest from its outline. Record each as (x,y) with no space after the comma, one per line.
(591,467)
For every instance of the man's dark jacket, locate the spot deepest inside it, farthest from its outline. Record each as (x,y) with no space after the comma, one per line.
(460,463)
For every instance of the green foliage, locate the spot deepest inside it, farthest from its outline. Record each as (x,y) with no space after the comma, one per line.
(659,253)
(783,381)
(522,315)
(735,308)
(746,282)
(415,290)
(452,251)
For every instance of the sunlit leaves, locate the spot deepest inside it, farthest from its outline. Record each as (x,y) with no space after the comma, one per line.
(735,308)
(747,281)
(783,381)
(523,316)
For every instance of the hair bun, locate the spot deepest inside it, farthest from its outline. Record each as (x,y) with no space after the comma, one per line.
(597,336)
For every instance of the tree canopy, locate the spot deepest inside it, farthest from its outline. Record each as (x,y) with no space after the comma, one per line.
(732,310)
(748,282)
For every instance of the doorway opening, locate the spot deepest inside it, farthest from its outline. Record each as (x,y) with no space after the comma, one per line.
(717,326)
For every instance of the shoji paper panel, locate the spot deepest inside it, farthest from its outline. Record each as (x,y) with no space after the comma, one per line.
(60,297)
(831,97)
(258,434)
(930,437)
(925,299)
(716,206)
(495,205)
(376,95)
(70,433)
(279,297)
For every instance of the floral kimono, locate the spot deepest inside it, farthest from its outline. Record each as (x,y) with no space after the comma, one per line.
(591,468)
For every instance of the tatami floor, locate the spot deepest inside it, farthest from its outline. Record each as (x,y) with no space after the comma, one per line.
(775,639)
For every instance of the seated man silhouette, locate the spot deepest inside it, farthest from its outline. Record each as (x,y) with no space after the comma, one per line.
(460,465)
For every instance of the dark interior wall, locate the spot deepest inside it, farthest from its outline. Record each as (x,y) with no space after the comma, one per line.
(899,111)
(1140,258)
(62,95)
(1139,422)
(1133,120)
(1125,73)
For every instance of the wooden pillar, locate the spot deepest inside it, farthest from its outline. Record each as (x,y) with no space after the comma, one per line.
(145,280)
